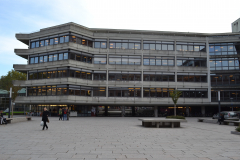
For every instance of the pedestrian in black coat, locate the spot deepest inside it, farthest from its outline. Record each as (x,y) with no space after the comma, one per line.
(45,118)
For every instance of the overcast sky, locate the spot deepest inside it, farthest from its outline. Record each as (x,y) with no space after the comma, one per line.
(26,16)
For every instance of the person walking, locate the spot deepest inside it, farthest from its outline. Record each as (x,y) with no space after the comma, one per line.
(45,118)
(64,111)
(60,114)
(68,112)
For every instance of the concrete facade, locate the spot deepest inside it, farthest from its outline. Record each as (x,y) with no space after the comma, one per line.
(120,34)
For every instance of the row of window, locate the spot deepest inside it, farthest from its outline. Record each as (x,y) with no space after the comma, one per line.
(113,75)
(112,91)
(224,48)
(158,61)
(192,62)
(225,79)
(224,64)
(192,47)
(66,90)
(165,92)
(69,37)
(117,44)
(228,96)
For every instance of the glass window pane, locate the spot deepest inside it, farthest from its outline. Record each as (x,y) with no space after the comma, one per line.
(61,39)
(152,62)
(42,43)
(65,55)
(170,63)
(131,45)
(84,42)
(184,48)
(119,45)
(190,48)
(179,48)
(146,46)
(103,45)
(179,63)
(55,57)
(32,60)
(137,46)
(158,47)
(61,56)
(51,41)
(164,62)
(45,58)
(145,61)
(152,46)
(37,44)
(41,59)
(196,48)
(55,40)
(97,45)
(158,62)
(66,38)
(46,42)
(164,47)
(124,45)
(112,45)
(36,60)
(170,47)
(33,45)
(50,58)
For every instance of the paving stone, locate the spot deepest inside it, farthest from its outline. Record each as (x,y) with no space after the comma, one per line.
(108,138)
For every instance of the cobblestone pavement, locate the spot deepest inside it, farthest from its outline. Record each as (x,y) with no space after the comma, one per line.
(117,138)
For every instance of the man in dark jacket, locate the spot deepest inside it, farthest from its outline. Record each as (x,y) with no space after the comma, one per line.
(45,118)
(221,119)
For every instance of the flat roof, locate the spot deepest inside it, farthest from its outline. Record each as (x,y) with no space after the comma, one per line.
(149,32)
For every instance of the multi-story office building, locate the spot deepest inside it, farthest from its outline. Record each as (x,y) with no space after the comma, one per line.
(129,71)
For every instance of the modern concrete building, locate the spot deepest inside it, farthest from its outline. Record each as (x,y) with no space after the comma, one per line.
(129,72)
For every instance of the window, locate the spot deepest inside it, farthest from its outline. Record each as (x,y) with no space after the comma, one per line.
(125,60)
(159,61)
(194,93)
(124,76)
(190,46)
(124,44)
(124,92)
(100,43)
(191,77)
(158,76)
(193,62)
(224,64)
(224,48)
(158,45)
(156,92)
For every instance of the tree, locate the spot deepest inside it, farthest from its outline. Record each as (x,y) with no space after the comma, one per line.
(6,82)
(175,94)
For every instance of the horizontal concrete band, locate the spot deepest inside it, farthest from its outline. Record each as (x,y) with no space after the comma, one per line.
(104,83)
(115,101)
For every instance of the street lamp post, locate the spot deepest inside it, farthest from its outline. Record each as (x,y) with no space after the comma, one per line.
(10,96)
(219,106)
(231,103)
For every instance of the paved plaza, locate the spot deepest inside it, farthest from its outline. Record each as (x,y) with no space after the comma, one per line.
(117,138)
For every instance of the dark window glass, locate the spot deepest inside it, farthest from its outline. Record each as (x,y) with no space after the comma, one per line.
(97,45)
(31,60)
(50,58)
(137,46)
(45,58)
(61,56)
(158,47)
(51,41)
(33,45)
(66,38)
(37,44)
(41,59)
(146,46)
(65,56)
(55,58)
(61,39)
(36,60)
(47,42)
(42,43)
(112,45)
(55,40)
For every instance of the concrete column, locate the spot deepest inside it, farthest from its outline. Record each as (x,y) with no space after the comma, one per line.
(187,111)
(123,111)
(106,111)
(155,111)
(133,111)
(203,110)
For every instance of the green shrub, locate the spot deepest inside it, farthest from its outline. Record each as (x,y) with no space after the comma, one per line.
(238,129)
(176,117)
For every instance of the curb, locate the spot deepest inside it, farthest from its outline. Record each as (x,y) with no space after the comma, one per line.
(235,132)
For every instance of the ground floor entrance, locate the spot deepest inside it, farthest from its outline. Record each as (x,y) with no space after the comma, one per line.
(132,111)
